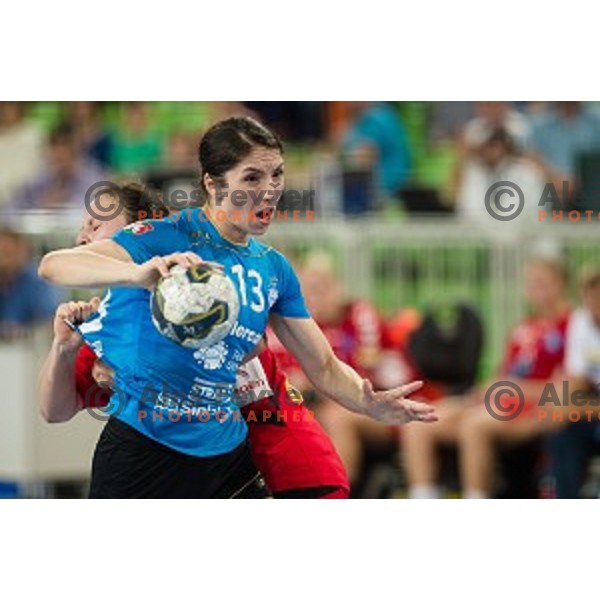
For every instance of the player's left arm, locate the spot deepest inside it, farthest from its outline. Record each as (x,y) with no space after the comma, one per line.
(337,380)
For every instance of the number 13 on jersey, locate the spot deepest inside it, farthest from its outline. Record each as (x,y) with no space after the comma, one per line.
(251,294)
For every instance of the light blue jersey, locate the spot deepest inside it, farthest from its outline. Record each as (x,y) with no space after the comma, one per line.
(182,397)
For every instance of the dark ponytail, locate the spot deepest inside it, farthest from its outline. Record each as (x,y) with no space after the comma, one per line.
(137,200)
(228,142)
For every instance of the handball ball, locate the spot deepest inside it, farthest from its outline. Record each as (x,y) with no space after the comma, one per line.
(195,307)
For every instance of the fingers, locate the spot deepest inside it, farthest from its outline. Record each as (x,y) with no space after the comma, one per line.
(399,414)
(392,406)
(399,393)
(418,407)
(62,310)
(77,311)
(95,303)
(406,389)
(191,259)
(160,264)
(419,411)
(186,260)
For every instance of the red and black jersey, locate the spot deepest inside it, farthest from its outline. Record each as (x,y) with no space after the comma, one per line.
(289,447)
(535,348)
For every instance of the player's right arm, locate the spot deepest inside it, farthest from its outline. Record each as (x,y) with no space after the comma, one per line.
(56,387)
(107,263)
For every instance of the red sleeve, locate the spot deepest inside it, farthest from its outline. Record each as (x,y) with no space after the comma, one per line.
(89,394)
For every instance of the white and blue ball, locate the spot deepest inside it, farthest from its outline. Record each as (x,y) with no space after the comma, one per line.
(195,307)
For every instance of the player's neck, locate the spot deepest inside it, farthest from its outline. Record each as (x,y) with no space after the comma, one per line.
(227,230)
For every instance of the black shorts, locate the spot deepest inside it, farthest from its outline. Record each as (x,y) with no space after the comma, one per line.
(128,464)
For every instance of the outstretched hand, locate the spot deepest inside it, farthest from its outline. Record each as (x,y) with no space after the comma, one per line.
(392,407)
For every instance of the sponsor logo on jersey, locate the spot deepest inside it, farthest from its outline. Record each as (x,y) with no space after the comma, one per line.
(213,357)
(244,333)
(139,228)
(294,395)
(252,383)
(273,293)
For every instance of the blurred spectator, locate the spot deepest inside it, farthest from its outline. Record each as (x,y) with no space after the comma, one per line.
(293,121)
(181,151)
(92,139)
(21,145)
(177,176)
(377,141)
(136,147)
(496,159)
(492,116)
(560,136)
(448,120)
(533,355)
(25,300)
(64,180)
(531,108)
(572,446)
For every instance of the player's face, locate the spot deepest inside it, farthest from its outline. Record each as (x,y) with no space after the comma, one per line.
(591,301)
(543,287)
(253,189)
(93,230)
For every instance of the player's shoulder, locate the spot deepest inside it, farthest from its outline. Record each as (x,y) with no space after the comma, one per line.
(148,231)
(270,258)
(176,223)
(274,256)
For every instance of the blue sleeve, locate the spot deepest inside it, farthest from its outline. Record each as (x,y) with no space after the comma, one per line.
(146,239)
(290,302)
